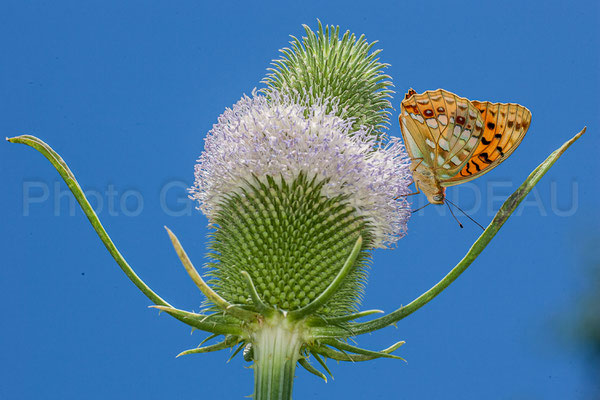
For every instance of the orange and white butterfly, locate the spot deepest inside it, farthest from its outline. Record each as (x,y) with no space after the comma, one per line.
(452,140)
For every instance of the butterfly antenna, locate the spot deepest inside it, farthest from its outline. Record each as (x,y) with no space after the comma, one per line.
(420,208)
(467,215)
(452,212)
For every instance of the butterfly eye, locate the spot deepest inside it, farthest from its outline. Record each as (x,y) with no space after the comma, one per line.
(438,197)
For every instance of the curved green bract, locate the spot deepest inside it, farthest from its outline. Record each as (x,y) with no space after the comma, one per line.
(308,366)
(225,344)
(505,211)
(210,294)
(333,286)
(73,185)
(362,355)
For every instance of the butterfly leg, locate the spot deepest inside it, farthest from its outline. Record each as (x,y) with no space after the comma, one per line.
(413,169)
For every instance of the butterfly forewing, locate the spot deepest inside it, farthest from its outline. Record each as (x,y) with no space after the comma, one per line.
(505,126)
(441,129)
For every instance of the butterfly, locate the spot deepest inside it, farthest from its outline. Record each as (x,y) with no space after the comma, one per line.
(452,140)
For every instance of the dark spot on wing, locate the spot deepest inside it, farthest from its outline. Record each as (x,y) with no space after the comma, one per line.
(491,125)
(484,158)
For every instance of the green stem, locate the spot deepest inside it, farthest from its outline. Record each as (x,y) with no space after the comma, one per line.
(276,349)
(501,217)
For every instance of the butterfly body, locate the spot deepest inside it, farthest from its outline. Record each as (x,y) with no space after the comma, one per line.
(427,183)
(452,140)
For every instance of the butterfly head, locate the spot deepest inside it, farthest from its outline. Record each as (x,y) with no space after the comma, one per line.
(427,183)
(435,197)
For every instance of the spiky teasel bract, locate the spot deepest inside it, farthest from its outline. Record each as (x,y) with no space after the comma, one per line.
(324,65)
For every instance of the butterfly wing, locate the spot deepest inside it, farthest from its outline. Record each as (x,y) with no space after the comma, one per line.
(505,126)
(441,129)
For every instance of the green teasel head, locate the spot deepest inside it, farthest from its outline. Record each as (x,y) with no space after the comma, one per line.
(288,190)
(323,64)
(292,241)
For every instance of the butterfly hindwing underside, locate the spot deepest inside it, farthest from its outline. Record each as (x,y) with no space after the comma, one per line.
(453,140)
(505,126)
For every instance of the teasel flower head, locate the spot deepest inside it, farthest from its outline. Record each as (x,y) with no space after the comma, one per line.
(299,183)
(296,197)
(261,139)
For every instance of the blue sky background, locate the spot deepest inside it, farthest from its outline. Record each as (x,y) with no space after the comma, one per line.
(126,91)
